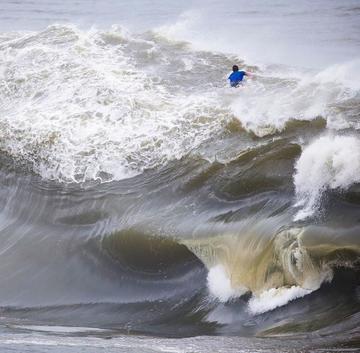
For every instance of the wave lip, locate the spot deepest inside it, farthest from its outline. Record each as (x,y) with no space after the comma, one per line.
(220,285)
(329,163)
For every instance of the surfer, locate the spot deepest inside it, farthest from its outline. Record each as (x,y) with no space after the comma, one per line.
(237,76)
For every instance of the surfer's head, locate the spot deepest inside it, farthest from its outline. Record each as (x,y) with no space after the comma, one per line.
(235,68)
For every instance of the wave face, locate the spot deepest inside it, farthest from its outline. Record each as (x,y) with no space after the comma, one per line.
(141,194)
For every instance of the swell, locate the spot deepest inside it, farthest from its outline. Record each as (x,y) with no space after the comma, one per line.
(88,259)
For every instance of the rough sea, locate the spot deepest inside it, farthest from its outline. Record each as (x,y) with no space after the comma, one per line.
(146,206)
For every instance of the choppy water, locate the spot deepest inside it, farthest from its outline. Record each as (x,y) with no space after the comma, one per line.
(141,195)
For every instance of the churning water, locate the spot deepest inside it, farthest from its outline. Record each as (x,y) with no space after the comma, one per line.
(141,195)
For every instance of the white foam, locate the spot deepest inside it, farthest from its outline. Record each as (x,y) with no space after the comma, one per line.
(265,106)
(74,105)
(219,285)
(275,297)
(330,162)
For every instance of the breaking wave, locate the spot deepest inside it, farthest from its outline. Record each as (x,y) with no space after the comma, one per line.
(79,106)
(329,163)
(140,193)
(107,105)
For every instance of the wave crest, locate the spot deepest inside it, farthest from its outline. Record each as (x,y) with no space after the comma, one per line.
(329,163)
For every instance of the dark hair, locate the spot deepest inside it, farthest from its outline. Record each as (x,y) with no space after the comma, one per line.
(235,68)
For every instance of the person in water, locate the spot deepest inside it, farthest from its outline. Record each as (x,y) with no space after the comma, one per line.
(237,76)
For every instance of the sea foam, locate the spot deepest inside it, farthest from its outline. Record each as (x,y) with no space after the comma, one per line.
(275,297)
(220,287)
(75,106)
(269,100)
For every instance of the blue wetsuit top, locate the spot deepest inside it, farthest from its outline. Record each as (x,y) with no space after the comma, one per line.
(236,77)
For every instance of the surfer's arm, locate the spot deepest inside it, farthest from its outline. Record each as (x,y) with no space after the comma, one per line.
(249,74)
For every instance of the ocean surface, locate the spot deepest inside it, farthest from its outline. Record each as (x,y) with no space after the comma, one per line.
(146,206)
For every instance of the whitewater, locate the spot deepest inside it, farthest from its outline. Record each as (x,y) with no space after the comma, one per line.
(142,195)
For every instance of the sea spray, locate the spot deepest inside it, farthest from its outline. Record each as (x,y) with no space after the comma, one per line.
(220,285)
